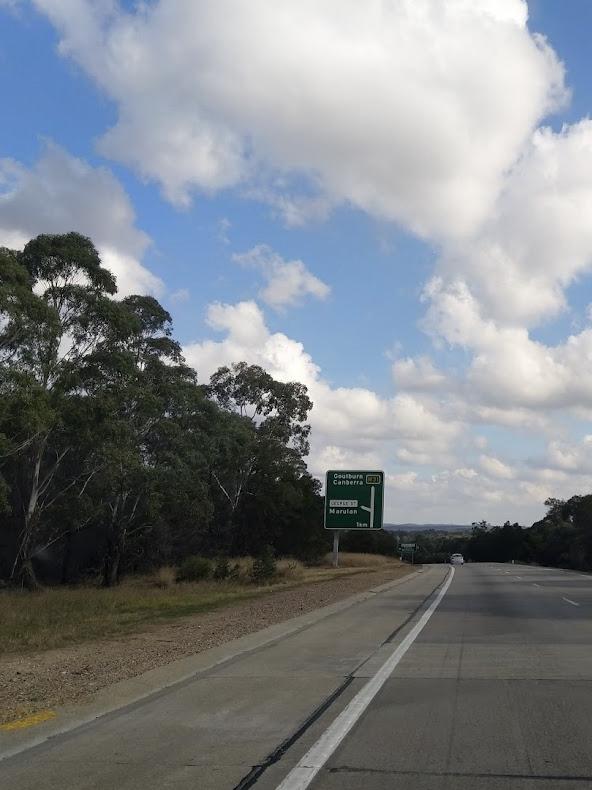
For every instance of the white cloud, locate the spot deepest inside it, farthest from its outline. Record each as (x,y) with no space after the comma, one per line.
(347,422)
(492,290)
(463,495)
(564,457)
(519,419)
(538,238)
(61,193)
(288,282)
(495,468)
(435,465)
(423,112)
(132,277)
(411,111)
(224,225)
(509,370)
(244,323)
(180,296)
(418,374)
(567,457)
(332,457)
(465,473)
(403,481)
(293,210)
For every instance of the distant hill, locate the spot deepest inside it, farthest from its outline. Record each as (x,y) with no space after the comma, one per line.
(428,527)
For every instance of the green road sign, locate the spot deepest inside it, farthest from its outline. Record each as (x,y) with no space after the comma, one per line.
(354,499)
(408,546)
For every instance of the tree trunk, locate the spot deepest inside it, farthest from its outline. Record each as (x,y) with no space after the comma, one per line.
(66,558)
(23,570)
(111,563)
(113,550)
(27,577)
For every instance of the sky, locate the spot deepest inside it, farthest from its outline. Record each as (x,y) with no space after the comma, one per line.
(388,201)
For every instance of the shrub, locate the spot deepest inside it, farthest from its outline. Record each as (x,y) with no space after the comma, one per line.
(234,572)
(164,577)
(194,569)
(221,569)
(264,567)
(313,554)
(349,559)
(290,569)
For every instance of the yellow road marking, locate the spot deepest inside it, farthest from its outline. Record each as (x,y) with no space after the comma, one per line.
(29,721)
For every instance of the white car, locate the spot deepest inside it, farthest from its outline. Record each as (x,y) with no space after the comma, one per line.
(457,559)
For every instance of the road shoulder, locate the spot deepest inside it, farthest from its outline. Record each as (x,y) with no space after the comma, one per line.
(59,719)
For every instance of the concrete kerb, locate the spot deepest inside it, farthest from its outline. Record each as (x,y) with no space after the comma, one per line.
(135,690)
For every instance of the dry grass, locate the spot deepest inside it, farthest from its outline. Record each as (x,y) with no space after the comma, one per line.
(291,570)
(354,560)
(288,569)
(62,616)
(165,577)
(243,566)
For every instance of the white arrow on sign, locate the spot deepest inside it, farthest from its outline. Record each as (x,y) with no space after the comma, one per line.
(371,508)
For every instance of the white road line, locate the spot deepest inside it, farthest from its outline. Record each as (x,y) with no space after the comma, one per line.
(519,578)
(308,767)
(534,584)
(573,603)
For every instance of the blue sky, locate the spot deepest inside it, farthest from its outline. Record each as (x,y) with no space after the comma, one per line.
(388,168)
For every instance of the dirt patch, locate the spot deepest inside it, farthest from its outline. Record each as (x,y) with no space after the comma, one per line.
(74,674)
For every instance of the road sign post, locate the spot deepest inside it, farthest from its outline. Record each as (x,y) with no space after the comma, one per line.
(336,548)
(408,548)
(354,499)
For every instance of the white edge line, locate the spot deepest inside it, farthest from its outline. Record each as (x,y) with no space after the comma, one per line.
(315,758)
(573,603)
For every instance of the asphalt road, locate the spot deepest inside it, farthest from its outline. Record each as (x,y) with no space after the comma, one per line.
(494,692)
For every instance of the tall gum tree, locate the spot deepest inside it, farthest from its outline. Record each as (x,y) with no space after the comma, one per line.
(137,379)
(55,308)
(268,436)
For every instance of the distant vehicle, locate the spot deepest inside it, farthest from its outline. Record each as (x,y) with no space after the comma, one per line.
(457,559)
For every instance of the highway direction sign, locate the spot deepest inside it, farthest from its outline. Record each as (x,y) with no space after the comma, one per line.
(354,499)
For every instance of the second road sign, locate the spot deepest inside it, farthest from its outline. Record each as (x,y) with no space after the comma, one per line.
(354,499)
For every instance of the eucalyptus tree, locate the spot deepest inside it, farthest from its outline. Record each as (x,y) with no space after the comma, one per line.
(104,428)
(279,408)
(137,378)
(265,441)
(181,444)
(55,311)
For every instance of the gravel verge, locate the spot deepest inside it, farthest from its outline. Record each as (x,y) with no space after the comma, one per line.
(74,674)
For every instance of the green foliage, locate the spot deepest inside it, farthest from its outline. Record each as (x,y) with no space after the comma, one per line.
(264,567)
(563,538)
(194,569)
(221,569)
(367,542)
(55,307)
(113,459)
